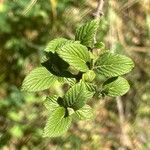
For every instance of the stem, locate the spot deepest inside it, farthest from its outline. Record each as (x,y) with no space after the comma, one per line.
(99,10)
(120,110)
(99,13)
(125,140)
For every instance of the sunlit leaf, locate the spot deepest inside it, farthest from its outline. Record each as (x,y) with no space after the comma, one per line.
(55,44)
(57,124)
(38,79)
(77,96)
(86,33)
(116,86)
(51,103)
(84,113)
(112,65)
(76,55)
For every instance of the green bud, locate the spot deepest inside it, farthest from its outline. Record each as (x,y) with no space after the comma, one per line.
(89,76)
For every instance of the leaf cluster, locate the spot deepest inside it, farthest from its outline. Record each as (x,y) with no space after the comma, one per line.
(75,63)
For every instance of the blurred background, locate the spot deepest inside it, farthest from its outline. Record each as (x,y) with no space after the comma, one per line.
(26,26)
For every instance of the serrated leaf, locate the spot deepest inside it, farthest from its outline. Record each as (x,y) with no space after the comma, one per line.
(116,86)
(112,65)
(70,81)
(76,55)
(90,87)
(38,79)
(57,124)
(55,44)
(84,113)
(43,58)
(100,45)
(86,33)
(77,96)
(51,103)
(56,65)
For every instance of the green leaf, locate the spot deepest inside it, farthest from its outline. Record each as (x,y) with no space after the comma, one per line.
(38,79)
(76,55)
(116,86)
(112,65)
(77,96)
(51,103)
(90,87)
(69,81)
(84,113)
(56,65)
(100,45)
(86,33)
(55,44)
(43,58)
(57,124)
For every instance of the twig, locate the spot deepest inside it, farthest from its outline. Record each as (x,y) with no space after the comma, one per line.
(125,140)
(99,13)
(53,7)
(99,10)
(120,110)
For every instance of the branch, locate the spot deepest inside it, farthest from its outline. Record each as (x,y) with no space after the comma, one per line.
(120,110)
(124,137)
(99,13)
(99,10)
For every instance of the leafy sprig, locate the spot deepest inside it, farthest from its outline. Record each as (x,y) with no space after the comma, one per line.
(74,63)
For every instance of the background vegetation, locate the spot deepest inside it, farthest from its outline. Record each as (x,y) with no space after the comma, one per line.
(26,26)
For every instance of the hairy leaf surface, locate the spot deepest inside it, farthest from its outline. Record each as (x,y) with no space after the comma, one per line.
(57,123)
(77,96)
(51,103)
(55,44)
(38,79)
(84,113)
(112,65)
(86,33)
(116,86)
(76,55)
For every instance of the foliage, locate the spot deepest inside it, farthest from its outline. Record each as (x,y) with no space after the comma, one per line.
(24,32)
(76,55)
